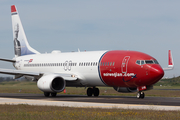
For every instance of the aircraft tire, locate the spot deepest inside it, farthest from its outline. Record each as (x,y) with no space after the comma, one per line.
(46,94)
(96,92)
(89,92)
(140,95)
(53,94)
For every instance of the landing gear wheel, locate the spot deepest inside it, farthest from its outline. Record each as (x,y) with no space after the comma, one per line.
(53,94)
(89,92)
(96,92)
(140,95)
(46,94)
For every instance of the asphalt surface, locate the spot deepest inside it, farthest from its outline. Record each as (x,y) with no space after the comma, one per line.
(163,101)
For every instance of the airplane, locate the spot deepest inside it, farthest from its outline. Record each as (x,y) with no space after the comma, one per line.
(124,70)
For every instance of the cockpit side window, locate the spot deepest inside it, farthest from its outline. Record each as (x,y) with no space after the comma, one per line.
(138,62)
(142,62)
(156,62)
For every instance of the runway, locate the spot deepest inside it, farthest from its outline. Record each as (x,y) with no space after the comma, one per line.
(152,103)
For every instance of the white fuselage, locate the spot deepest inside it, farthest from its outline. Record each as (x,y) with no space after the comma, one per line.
(82,64)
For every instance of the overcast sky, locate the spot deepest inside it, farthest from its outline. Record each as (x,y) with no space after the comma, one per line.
(152,27)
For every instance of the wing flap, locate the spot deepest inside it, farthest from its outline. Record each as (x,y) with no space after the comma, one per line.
(8,60)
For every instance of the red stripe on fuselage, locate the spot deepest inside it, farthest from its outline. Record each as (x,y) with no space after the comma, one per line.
(119,69)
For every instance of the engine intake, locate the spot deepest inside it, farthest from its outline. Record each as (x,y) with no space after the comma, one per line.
(51,83)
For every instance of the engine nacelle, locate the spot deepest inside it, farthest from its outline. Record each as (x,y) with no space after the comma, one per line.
(125,89)
(51,83)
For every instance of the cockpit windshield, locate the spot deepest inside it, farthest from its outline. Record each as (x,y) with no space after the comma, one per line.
(149,61)
(141,62)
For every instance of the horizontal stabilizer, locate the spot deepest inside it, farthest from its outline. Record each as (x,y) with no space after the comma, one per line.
(8,60)
(18,72)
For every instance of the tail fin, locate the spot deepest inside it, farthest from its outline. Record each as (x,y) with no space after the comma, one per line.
(170,61)
(21,45)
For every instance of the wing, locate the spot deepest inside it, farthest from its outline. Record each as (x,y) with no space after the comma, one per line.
(37,75)
(170,61)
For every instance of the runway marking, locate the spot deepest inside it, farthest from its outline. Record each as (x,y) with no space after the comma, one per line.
(16,101)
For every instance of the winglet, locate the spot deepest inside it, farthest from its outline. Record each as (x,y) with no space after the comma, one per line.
(170,61)
(13,8)
(171,64)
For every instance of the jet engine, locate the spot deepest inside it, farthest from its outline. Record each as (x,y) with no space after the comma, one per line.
(51,83)
(125,89)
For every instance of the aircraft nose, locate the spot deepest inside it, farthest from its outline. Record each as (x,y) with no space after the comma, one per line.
(156,73)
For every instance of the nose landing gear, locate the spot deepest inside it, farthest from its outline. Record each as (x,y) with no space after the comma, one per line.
(140,95)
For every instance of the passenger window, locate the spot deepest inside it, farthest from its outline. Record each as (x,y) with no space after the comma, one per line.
(110,63)
(138,62)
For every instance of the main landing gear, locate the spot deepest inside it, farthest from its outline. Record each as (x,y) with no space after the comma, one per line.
(46,94)
(93,91)
(140,95)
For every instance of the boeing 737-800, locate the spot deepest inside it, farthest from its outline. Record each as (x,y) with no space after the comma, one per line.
(125,71)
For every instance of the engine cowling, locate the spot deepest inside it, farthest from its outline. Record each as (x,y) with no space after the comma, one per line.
(125,89)
(51,83)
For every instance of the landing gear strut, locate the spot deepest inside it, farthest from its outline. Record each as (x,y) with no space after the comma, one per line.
(47,94)
(53,94)
(140,94)
(93,91)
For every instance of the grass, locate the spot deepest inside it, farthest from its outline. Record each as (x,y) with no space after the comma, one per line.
(31,87)
(19,87)
(175,81)
(28,112)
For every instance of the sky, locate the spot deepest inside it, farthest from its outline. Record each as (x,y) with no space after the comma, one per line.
(151,27)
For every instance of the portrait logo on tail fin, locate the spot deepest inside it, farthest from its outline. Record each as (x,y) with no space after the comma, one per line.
(21,45)
(17,44)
